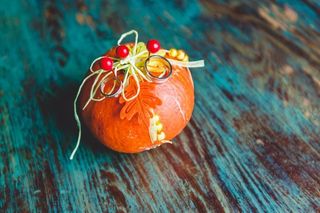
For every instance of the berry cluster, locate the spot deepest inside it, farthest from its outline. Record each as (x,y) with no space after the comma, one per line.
(122,52)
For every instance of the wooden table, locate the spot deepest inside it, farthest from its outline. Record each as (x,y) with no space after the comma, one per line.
(251,145)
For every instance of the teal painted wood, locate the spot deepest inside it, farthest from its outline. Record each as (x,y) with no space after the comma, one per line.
(252,144)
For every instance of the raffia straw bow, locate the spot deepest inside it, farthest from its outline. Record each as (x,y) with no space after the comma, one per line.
(131,70)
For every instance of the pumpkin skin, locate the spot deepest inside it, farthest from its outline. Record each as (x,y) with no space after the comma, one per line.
(172,101)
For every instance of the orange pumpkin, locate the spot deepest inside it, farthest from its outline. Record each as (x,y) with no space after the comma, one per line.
(124,126)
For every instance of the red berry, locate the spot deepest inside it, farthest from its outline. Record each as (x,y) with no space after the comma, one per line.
(122,51)
(153,46)
(106,63)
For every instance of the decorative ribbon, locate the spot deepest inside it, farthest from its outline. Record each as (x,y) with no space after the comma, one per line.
(128,64)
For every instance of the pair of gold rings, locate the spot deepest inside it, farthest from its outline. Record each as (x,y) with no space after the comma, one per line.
(154,76)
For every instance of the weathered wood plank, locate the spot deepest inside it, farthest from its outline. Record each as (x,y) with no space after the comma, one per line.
(253,141)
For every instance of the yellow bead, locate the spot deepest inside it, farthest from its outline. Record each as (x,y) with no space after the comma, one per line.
(186,58)
(155,118)
(181,55)
(161,136)
(173,53)
(153,134)
(159,127)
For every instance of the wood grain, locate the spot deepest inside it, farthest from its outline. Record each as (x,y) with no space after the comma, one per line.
(251,145)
